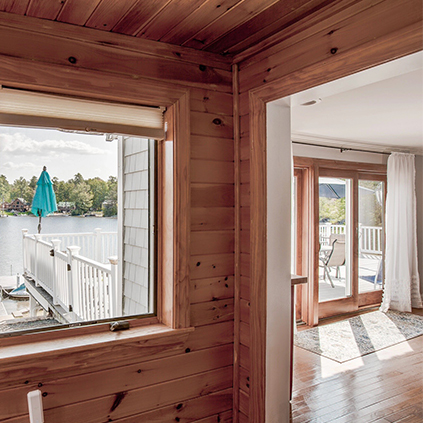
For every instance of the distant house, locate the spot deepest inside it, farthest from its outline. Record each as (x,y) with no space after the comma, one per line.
(65,206)
(18,205)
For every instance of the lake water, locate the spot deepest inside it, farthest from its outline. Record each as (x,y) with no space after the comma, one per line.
(11,234)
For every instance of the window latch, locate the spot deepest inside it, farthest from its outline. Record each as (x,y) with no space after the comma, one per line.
(120,325)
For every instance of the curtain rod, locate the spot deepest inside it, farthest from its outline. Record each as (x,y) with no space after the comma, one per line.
(341,149)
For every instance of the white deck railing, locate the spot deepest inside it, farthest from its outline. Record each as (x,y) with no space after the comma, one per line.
(78,283)
(95,245)
(370,237)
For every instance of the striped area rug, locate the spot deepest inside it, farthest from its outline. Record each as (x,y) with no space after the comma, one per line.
(360,335)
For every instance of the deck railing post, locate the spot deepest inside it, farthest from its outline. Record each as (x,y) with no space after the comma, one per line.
(37,237)
(115,288)
(73,281)
(24,250)
(56,245)
(97,245)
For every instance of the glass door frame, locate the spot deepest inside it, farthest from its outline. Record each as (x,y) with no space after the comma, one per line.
(349,303)
(374,297)
(311,169)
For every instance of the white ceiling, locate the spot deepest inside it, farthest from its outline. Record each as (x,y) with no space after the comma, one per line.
(380,109)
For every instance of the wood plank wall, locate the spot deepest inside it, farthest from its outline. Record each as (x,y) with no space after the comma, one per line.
(348,29)
(190,380)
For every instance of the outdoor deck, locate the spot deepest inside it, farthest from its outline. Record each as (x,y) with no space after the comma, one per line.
(73,277)
(367,268)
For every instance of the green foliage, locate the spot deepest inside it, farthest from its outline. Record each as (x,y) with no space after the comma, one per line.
(332,210)
(4,189)
(82,196)
(87,194)
(21,189)
(110,204)
(371,210)
(100,190)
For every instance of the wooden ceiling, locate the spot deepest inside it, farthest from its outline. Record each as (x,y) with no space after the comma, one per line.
(225,27)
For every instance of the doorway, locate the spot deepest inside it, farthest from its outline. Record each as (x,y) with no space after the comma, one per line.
(339,226)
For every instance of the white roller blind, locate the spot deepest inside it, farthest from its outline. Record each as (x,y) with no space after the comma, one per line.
(24,108)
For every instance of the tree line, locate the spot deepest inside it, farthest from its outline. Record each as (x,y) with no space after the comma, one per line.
(86,194)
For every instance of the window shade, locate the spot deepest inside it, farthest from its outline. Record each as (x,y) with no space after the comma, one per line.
(24,108)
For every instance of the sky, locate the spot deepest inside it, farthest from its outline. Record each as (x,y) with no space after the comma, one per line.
(24,152)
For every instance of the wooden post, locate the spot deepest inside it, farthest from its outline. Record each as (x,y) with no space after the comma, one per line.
(116,288)
(74,288)
(32,306)
(97,246)
(56,245)
(24,248)
(35,274)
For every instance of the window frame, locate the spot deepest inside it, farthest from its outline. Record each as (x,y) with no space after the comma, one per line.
(172,318)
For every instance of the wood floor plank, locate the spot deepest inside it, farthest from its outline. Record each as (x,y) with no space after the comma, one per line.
(382,387)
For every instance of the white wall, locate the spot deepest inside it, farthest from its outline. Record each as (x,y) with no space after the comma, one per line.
(278,329)
(419,195)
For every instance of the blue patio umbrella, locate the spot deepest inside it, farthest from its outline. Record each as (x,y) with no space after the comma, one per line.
(44,201)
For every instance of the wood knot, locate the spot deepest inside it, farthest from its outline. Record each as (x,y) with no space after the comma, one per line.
(217,121)
(202,68)
(333,50)
(72,60)
(118,399)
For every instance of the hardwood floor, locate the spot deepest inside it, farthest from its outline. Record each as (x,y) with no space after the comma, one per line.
(382,387)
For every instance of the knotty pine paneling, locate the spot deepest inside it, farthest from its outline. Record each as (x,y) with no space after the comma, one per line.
(225,417)
(213,289)
(243,418)
(244,241)
(244,306)
(245,218)
(211,148)
(78,388)
(212,242)
(75,15)
(212,311)
(244,378)
(213,124)
(212,195)
(212,218)
(209,101)
(217,402)
(245,288)
(212,171)
(205,266)
(244,190)
(244,401)
(140,381)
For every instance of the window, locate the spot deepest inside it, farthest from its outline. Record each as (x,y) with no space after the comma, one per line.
(73,276)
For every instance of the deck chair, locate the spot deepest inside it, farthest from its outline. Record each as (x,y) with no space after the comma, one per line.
(336,257)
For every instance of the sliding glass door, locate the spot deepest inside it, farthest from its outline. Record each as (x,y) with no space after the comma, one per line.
(338,236)
(371,239)
(351,240)
(335,238)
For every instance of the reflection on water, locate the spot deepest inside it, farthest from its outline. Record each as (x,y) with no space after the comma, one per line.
(11,234)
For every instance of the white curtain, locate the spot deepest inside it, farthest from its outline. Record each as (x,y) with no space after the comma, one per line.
(402,284)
